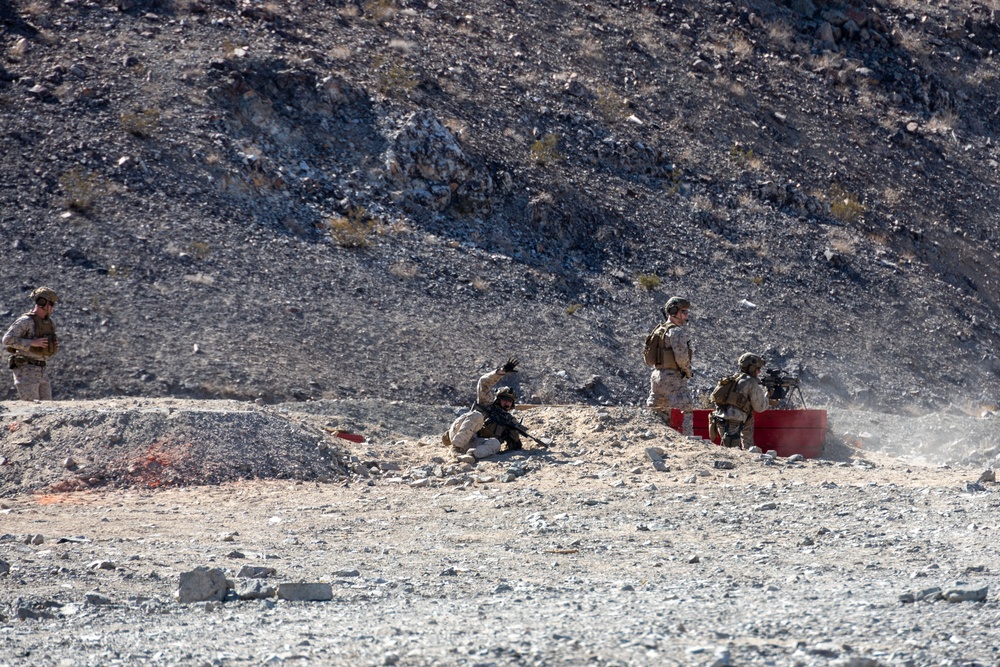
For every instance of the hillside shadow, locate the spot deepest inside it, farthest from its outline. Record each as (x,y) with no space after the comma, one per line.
(266,101)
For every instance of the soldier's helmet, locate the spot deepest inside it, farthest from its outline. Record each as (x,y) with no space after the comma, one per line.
(508,393)
(750,362)
(44,293)
(675,304)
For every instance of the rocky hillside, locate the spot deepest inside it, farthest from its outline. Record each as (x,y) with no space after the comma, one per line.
(385,197)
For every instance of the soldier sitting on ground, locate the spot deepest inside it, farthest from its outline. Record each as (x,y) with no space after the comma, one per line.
(737,398)
(485,429)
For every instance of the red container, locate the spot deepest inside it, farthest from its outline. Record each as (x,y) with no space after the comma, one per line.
(785,431)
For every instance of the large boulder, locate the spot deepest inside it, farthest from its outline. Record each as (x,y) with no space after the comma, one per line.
(426,161)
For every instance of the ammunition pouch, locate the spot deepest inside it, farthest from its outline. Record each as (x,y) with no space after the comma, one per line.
(14,362)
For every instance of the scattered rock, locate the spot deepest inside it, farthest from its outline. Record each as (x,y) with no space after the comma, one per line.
(254,589)
(255,572)
(305,592)
(201,584)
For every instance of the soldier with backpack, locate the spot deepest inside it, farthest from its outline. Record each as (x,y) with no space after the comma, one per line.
(30,341)
(737,397)
(668,350)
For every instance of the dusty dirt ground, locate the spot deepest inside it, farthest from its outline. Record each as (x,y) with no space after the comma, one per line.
(589,556)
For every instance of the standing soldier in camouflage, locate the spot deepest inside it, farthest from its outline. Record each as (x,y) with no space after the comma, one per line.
(669,352)
(736,404)
(481,431)
(31,340)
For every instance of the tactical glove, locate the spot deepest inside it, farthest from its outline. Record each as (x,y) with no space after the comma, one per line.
(510,366)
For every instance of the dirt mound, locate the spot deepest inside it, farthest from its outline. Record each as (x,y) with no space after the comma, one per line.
(151,443)
(67,446)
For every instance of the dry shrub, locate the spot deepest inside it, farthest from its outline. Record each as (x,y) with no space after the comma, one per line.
(702,203)
(352,230)
(648,281)
(781,34)
(591,50)
(748,202)
(402,45)
(878,236)
(82,188)
(393,79)
(405,270)
(141,123)
(745,157)
(379,10)
(758,247)
(610,105)
(943,121)
(339,52)
(740,46)
(842,243)
(844,205)
(892,196)
(546,149)
(199,249)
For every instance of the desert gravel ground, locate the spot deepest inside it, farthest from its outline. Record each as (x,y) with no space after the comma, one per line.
(590,556)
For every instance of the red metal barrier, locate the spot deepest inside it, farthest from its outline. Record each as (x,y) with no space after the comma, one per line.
(785,431)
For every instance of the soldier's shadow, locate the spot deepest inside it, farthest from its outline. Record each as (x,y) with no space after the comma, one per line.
(528,454)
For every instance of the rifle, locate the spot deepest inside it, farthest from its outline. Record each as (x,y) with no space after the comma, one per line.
(781,386)
(508,420)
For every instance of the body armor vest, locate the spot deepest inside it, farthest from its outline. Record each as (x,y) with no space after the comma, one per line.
(44,328)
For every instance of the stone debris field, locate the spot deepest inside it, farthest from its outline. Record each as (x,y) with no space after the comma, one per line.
(622,544)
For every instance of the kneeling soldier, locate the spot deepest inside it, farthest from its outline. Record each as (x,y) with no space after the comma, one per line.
(737,398)
(487,427)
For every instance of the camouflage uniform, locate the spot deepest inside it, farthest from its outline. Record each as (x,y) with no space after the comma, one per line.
(30,378)
(750,393)
(668,387)
(471,433)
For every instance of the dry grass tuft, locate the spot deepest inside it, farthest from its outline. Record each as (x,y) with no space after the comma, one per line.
(352,230)
(844,205)
(405,270)
(648,281)
(546,150)
(740,46)
(82,189)
(781,34)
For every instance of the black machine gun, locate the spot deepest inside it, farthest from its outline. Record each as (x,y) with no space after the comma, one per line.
(508,420)
(782,387)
